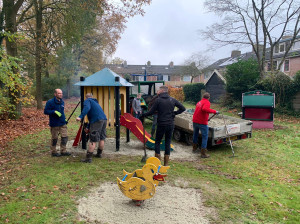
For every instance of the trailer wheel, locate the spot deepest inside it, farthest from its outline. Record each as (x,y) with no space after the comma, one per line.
(189,139)
(177,135)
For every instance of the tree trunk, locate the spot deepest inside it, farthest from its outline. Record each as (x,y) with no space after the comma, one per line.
(10,10)
(68,88)
(38,64)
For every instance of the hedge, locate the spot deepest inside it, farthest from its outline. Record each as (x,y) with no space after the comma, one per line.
(192,92)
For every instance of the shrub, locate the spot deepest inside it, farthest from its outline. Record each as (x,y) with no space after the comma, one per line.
(192,92)
(280,84)
(6,108)
(176,93)
(241,77)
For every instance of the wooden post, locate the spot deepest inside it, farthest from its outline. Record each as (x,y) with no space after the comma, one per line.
(128,111)
(83,136)
(117,107)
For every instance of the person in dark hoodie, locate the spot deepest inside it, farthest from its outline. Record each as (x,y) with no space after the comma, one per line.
(97,122)
(164,106)
(57,122)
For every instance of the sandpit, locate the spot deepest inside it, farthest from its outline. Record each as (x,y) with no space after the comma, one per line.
(106,204)
(170,204)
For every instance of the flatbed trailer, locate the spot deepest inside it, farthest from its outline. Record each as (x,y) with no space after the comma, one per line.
(237,129)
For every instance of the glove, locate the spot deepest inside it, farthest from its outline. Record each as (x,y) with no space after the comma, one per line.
(57,113)
(217,112)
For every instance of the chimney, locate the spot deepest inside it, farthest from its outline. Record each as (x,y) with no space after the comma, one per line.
(171,64)
(125,64)
(235,54)
(148,63)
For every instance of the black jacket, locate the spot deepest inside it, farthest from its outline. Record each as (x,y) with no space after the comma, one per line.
(164,105)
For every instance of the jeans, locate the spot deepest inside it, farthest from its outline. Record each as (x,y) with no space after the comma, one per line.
(160,132)
(204,133)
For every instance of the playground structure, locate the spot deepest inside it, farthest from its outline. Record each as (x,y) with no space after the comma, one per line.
(112,93)
(258,106)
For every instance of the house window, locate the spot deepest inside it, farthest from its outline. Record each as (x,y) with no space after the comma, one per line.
(297,45)
(286,65)
(282,47)
(160,78)
(166,78)
(186,78)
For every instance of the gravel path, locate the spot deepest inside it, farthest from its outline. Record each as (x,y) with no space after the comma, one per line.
(136,148)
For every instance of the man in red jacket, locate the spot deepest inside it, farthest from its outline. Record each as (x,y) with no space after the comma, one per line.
(200,121)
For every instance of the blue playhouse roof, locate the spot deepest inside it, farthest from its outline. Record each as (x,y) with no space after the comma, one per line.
(105,77)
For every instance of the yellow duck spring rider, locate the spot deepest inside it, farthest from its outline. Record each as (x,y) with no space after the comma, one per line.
(141,184)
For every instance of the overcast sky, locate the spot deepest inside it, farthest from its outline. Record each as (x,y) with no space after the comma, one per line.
(169,31)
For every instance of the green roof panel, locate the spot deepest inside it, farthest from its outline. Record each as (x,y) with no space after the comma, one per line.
(105,77)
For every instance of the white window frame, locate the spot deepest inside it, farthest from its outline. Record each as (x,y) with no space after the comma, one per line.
(284,65)
(282,44)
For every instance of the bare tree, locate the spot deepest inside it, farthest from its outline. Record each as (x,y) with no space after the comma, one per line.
(195,65)
(260,24)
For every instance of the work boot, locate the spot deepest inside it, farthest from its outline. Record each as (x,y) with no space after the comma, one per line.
(99,153)
(65,153)
(166,160)
(157,156)
(55,154)
(88,158)
(203,153)
(195,148)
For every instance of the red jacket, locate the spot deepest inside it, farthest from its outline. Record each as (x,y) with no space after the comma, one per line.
(202,112)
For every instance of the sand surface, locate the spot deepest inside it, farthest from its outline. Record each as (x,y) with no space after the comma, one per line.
(170,204)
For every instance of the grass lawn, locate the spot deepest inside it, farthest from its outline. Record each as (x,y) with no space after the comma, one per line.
(260,185)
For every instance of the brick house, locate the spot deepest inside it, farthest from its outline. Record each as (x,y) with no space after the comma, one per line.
(292,62)
(289,67)
(171,74)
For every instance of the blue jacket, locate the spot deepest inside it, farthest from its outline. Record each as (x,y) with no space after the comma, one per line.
(51,106)
(93,110)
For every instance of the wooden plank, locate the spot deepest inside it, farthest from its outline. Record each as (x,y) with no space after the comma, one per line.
(106,103)
(95,92)
(88,89)
(123,100)
(112,105)
(85,120)
(100,96)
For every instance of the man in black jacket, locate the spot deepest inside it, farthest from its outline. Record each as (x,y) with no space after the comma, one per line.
(164,105)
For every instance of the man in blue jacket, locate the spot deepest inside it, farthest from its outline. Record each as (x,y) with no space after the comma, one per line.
(57,122)
(97,122)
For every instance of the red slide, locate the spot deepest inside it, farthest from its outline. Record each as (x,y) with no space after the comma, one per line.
(135,126)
